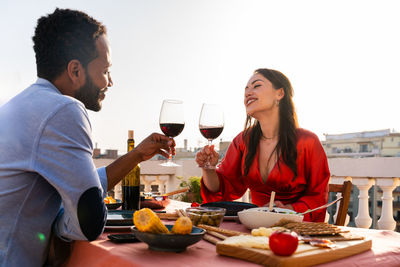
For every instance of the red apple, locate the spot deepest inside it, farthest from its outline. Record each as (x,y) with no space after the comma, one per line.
(283,243)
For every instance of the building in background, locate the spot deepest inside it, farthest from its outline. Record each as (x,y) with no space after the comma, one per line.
(183,153)
(381,143)
(108,154)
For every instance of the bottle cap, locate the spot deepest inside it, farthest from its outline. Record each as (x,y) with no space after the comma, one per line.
(130,134)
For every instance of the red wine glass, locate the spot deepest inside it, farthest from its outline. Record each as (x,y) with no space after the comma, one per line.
(211,124)
(171,123)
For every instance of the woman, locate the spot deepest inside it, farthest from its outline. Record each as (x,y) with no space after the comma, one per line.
(271,154)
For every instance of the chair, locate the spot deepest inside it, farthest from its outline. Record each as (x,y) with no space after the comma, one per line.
(345,189)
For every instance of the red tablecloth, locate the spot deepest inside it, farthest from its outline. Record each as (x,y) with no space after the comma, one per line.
(385,252)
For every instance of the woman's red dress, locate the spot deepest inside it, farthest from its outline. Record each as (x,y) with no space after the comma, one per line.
(309,190)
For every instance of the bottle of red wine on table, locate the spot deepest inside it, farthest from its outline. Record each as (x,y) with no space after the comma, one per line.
(131,182)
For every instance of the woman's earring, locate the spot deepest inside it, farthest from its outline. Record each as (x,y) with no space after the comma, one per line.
(277,102)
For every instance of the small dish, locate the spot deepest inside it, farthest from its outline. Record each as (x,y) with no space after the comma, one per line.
(170,242)
(114,206)
(262,217)
(212,216)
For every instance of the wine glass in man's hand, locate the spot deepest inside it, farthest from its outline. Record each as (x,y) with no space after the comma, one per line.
(171,123)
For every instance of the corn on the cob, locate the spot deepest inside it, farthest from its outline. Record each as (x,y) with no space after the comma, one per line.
(182,226)
(146,220)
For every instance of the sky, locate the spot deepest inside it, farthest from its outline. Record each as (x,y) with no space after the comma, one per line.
(342,58)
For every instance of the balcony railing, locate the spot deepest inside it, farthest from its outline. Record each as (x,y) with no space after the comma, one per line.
(364,173)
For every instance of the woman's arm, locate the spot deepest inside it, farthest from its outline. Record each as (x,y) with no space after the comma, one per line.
(227,179)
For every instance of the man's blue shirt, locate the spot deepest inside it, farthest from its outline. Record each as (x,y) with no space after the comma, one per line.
(45,164)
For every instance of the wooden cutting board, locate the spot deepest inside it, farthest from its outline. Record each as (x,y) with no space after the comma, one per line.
(305,255)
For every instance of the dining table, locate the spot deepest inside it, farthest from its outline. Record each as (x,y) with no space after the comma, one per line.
(385,250)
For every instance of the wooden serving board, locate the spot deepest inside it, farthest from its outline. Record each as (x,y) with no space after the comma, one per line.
(305,255)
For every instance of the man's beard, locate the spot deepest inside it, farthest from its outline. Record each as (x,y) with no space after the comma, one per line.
(88,94)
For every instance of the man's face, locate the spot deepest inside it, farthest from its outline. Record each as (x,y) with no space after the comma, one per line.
(98,77)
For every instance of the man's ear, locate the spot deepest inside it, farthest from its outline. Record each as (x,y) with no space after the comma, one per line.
(76,73)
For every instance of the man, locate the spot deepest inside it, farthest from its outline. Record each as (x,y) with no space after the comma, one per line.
(48,182)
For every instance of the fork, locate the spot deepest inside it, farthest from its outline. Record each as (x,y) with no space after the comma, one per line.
(321,207)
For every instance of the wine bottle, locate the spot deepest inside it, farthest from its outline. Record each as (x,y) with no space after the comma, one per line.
(131,182)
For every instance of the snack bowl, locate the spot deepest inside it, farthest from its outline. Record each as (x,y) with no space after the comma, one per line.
(169,242)
(114,206)
(206,215)
(262,217)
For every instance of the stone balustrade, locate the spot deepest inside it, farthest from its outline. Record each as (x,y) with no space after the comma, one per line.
(382,173)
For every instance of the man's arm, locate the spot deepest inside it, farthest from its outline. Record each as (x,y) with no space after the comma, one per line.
(153,144)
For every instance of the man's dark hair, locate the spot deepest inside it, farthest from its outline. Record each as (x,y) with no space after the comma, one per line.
(63,36)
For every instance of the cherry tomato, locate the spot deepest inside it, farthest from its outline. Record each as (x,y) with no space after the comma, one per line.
(283,243)
(195,204)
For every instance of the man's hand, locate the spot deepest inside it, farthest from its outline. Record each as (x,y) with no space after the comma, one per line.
(154,144)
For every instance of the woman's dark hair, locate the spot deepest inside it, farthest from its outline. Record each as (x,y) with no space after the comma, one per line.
(63,36)
(288,124)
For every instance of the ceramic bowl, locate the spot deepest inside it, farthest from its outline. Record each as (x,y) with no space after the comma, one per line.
(262,217)
(170,242)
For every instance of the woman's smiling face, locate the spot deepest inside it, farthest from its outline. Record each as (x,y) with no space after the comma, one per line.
(260,95)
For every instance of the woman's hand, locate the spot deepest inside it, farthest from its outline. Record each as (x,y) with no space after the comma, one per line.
(207,154)
(279,204)
(154,144)
(210,177)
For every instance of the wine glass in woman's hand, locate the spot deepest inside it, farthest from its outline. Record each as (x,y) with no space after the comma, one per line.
(211,124)
(171,123)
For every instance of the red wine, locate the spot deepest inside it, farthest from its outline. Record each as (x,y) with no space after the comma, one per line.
(211,132)
(172,129)
(130,197)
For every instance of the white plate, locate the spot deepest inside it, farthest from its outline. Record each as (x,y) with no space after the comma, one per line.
(262,217)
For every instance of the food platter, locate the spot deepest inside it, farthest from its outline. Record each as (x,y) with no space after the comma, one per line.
(305,256)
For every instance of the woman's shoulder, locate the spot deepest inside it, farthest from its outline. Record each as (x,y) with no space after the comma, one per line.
(305,135)
(239,138)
